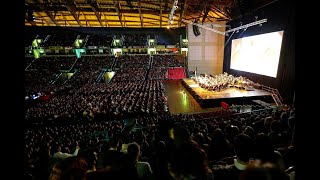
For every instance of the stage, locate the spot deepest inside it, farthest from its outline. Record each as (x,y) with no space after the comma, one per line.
(231,95)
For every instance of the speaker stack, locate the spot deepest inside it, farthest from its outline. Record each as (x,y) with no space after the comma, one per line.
(196,31)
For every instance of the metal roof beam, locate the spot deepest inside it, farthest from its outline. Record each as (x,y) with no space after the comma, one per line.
(141,17)
(71,6)
(160,13)
(206,11)
(117,5)
(107,25)
(95,5)
(183,8)
(223,13)
(46,11)
(93,20)
(85,18)
(102,9)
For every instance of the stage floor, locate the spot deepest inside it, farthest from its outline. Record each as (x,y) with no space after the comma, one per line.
(180,101)
(224,95)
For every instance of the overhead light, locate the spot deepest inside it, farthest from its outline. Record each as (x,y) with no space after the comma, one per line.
(30,15)
(171,15)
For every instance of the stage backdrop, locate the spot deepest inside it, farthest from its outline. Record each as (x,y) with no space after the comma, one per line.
(281,17)
(206,50)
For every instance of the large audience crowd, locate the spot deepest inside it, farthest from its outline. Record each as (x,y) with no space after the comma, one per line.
(63,39)
(88,68)
(164,146)
(81,96)
(122,130)
(100,40)
(167,61)
(43,71)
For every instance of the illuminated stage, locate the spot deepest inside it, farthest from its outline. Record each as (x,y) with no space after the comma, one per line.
(231,95)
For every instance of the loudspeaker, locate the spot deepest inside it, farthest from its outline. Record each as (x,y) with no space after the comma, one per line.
(196,31)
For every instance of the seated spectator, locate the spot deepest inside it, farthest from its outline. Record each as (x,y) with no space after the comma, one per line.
(263,173)
(112,155)
(61,155)
(249,131)
(265,153)
(243,147)
(189,161)
(143,168)
(220,147)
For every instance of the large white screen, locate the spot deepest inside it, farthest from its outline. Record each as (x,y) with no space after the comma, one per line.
(257,54)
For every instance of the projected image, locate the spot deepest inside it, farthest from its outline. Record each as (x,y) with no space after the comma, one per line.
(257,54)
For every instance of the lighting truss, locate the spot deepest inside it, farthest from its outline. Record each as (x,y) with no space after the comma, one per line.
(171,15)
(231,30)
(202,26)
(247,25)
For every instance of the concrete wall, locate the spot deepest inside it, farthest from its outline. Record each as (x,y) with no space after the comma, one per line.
(206,51)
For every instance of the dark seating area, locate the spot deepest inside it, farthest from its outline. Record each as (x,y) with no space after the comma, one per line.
(216,138)
(66,39)
(101,40)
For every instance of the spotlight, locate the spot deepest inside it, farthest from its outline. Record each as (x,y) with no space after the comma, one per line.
(168,27)
(30,16)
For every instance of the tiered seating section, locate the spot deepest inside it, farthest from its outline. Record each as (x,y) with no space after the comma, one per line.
(213,143)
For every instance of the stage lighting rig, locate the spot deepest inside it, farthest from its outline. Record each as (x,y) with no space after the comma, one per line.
(171,15)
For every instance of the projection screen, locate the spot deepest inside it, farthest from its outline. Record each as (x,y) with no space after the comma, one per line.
(257,54)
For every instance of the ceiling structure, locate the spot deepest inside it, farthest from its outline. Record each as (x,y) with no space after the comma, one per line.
(125,13)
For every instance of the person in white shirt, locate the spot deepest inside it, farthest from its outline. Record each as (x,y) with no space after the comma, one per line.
(143,168)
(62,155)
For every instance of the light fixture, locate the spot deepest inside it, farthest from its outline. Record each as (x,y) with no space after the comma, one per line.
(248,25)
(30,15)
(171,15)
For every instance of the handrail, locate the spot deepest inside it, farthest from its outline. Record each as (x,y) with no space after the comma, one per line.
(232,114)
(272,90)
(29,64)
(56,78)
